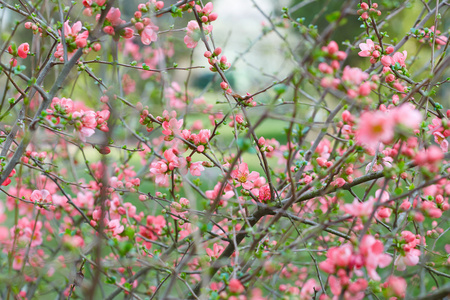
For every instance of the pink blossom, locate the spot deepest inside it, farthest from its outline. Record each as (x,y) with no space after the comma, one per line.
(374,256)
(236,286)
(204,136)
(63,104)
(411,258)
(244,177)
(217,250)
(152,230)
(375,127)
(396,285)
(400,57)
(113,16)
(196,168)
(172,127)
(386,60)
(366,48)
(149,35)
(360,209)
(40,196)
(337,257)
(23,49)
(115,227)
(440,139)
(159,169)
(407,116)
(429,156)
(354,75)
(172,159)
(332,47)
(193,34)
(226,194)
(264,193)
(86,123)
(309,288)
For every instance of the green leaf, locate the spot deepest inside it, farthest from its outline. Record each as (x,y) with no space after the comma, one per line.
(111,280)
(333,16)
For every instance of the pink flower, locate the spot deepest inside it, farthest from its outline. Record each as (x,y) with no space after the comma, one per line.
(332,47)
(226,194)
(113,16)
(364,89)
(39,196)
(396,285)
(85,133)
(374,256)
(207,9)
(23,49)
(375,127)
(429,156)
(354,75)
(172,159)
(152,230)
(159,169)
(309,288)
(407,116)
(204,136)
(400,57)
(339,182)
(63,104)
(149,35)
(196,168)
(386,61)
(172,127)
(193,34)
(116,227)
(411,258)
(358,209)
(439,138)
(242,176)
(366,48)
(86,123)
(127,33)
(236,286)
(217,250)
(264,193)
(337,257)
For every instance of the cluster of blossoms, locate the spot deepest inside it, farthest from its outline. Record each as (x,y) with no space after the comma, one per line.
(409,255)
(345,260)
(113,21)
(162,168)
(36,29)
(91,6)
(21,51)
(144,26)
(367,11)
(35,156)
(431,35)
(74,39)
(213,59)
(440,129)
(353,81)
(227,193)
(381,126)
(194,34)
(85,121)
(369,49)
(395,62)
